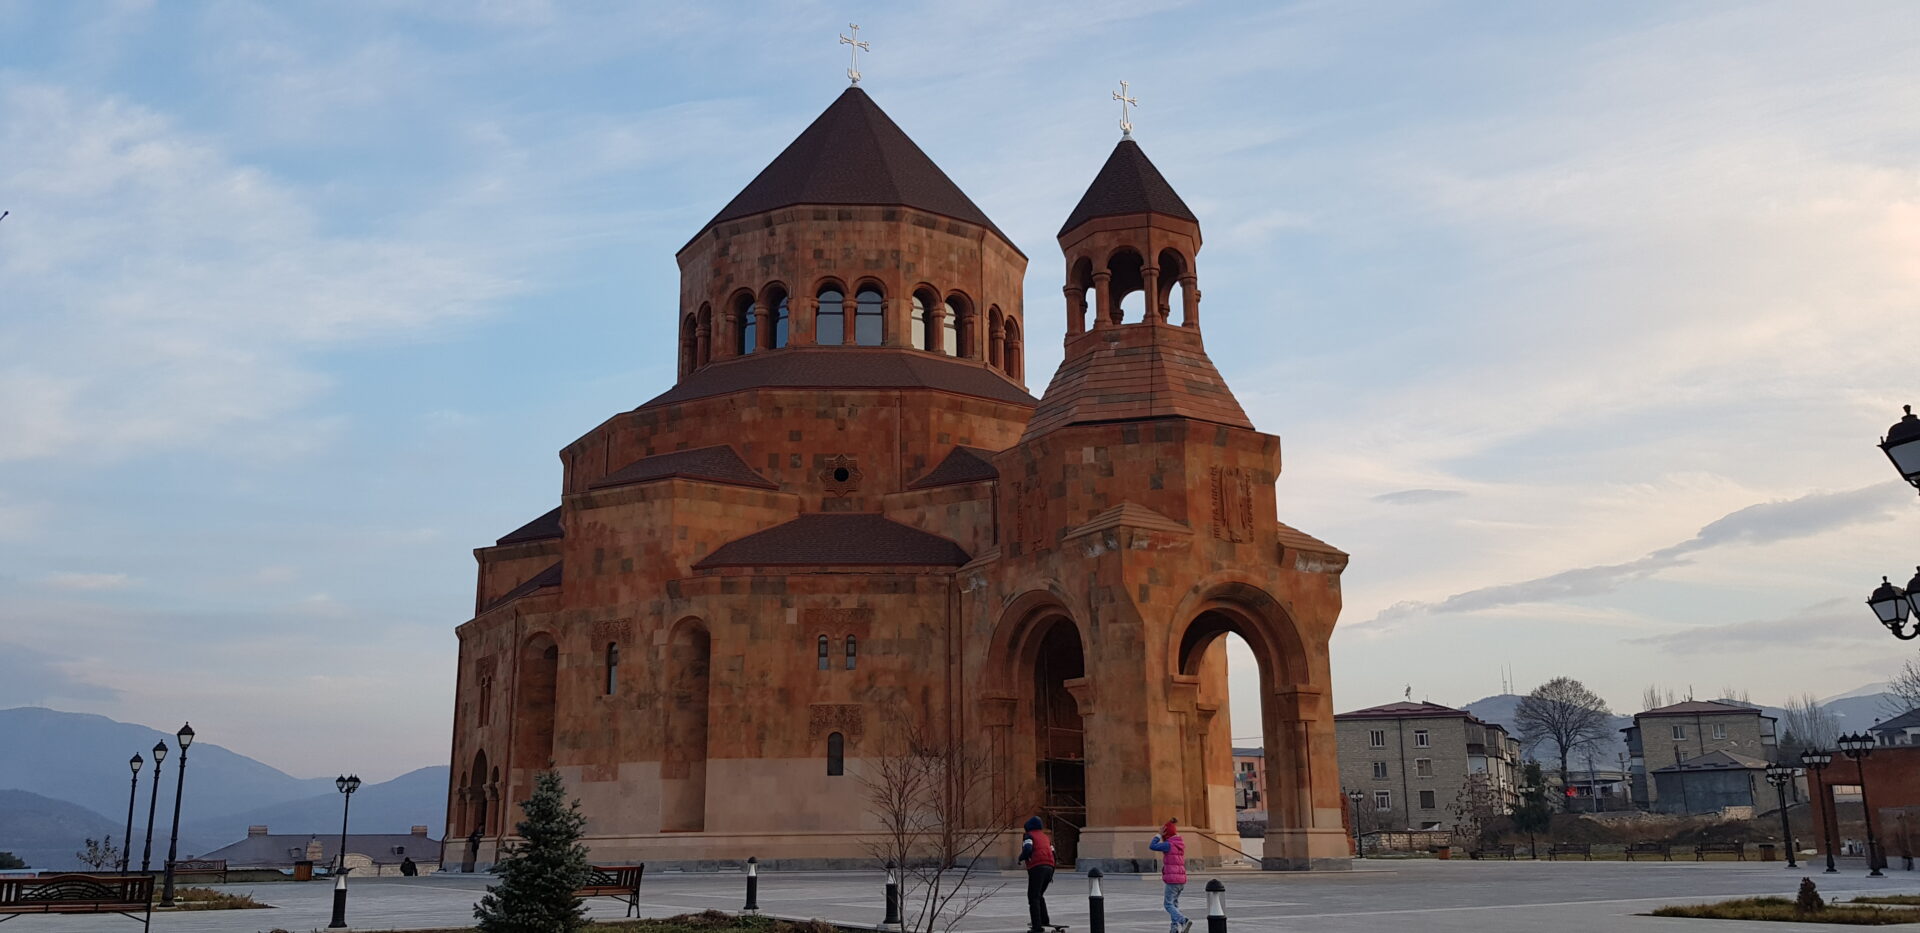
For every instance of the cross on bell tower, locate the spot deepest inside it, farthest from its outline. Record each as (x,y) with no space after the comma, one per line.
(1126,125)
(853,53)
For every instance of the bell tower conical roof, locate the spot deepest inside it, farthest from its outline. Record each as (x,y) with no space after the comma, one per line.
(1128,184)
(853,153)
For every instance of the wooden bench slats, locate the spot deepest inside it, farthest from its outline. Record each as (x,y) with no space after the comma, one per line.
(616,881)
(1701,851)
(1570,848)
(79,894)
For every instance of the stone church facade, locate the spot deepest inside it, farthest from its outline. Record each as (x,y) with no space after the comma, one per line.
(848,516)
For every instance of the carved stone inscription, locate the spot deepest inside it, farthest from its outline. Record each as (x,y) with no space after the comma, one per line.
(1232,504)
(844,718)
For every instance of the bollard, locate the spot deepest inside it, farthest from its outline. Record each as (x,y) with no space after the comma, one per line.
(339,902)
(893,897)
(753,884)
(1096,903)
(1216,907)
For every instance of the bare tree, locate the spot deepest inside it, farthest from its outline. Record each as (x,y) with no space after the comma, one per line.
(99,854)
(1903,690)
(933,800)
(1738,695)
(1809,726)
(1564,713)
(1656,696)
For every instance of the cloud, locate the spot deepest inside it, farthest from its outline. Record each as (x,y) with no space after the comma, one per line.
(1763,523)
(88,581)
(1833,622)
(30,677)
(1419,496)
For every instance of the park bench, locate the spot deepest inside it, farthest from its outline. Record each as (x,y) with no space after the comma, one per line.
(1570,848)
(621,882)
(1662,849)
(1737,849)
(1504,851)
(202,867)
(79,894)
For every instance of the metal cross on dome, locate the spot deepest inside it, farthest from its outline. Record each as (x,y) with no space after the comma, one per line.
(1126,126)
(853,54)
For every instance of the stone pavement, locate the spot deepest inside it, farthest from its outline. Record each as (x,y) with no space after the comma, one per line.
(1413,895)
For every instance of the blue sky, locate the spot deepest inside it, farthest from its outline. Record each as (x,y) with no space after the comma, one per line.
(1577,323)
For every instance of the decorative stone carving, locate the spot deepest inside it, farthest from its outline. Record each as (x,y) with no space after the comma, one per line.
(841,475)
(1232,504)
(855,620)
(606,630)
(845,718)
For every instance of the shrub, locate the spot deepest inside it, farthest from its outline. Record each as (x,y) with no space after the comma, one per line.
(1809,899)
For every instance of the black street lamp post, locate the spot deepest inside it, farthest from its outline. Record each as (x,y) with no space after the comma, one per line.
(346,784)
(1890,603)
(1816,762)
(1780,776)
(1902,446)
(133,790)
(185,736)
(153,803)
(1354,797)
(1857,747)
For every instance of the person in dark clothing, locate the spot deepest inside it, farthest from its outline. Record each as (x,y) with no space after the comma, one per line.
(407,867)
(1036,851)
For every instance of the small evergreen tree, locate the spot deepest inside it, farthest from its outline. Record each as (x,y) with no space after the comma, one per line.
(539,874)
(1534,814)
(1809,900)
(10,860)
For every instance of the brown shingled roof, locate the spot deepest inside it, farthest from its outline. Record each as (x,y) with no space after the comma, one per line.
(1135,372)
(539,581)
(962,465)
(843,368)
(1404,710)
(1688,707)
(853,153)
(718,464)
(540,529)
(827,539)
(1128,184)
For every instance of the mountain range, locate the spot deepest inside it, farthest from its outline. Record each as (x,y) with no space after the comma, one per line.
(65,776)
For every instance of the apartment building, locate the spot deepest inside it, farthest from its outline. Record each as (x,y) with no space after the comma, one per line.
(1678,739)
(1411,760)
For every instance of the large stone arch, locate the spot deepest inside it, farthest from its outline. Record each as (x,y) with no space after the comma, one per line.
(1035,697)
(1290,693)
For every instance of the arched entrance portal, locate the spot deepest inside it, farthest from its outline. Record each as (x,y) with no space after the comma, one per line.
(1060,733)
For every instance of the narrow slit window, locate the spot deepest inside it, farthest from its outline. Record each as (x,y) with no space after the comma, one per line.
(613,668)
(822,652)
(836,755)
(852,652)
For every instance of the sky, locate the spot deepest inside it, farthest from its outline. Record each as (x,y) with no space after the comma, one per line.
(1578,323)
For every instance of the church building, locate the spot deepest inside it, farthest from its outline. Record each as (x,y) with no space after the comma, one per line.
(848,520)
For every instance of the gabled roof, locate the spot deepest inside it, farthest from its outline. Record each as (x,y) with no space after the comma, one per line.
(539,581)
(830,538)
(1717,761)
(853,153)
(844,368)
(1301,541)
(281,850)
(1132,515)
(540,529)
(1907,720)
(962,465)
(1404,710)
(1691,707)
(1127,184)
(718,464)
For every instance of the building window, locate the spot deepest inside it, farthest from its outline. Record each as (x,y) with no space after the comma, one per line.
(746,328)
(1379,770)
(851,652)
(613,667)
(836,755)
(1377,738)
(1679,732)
(1421,738)
(780,323)
(919,322)
(1720,732)
(830,322)
(1383,800)
(950,329)
(1423,767)
(1426,800)
(868,331)
(822,652)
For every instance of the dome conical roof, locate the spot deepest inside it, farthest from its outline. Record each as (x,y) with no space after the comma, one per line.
(1128,184)
(853,153)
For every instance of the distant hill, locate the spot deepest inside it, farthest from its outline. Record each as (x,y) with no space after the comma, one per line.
(80,760)
(415,798)
(47,833)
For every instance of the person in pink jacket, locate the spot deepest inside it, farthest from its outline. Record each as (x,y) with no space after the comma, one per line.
(1173,872)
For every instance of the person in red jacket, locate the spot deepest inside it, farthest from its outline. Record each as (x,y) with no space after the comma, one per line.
(1173,873)
(1036,851)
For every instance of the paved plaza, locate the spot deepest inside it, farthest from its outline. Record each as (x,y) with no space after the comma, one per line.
(1412,895)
